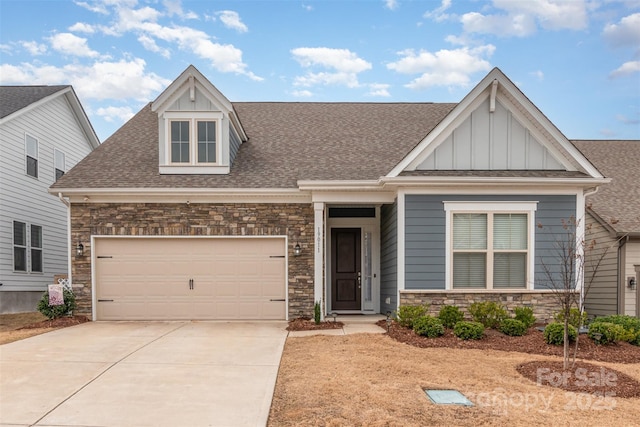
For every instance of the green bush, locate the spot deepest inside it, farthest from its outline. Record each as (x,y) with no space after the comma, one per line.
(489,313)
(55,311)
(606,332)
(513,327)
(554,333)
(525,315)
(316,313)
(630,324)
(468,330)
(575,319)
(449,315)
(407,314)
(428,326)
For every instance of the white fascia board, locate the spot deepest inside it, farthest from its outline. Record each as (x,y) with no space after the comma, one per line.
(365,185)
(82,118)
(357,197)
(183,195)
(470,181)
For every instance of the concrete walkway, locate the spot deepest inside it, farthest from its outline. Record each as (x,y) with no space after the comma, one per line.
(353,324)
(142,374)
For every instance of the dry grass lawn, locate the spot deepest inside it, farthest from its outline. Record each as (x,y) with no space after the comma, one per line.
(374,380)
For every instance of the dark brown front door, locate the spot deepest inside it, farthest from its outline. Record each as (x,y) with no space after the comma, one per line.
(345,269)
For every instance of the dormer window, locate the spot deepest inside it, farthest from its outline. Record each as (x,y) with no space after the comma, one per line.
(193,138)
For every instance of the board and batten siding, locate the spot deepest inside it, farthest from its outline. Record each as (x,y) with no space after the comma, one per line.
(602,295)
(389,257)
(24,198)
(425,234)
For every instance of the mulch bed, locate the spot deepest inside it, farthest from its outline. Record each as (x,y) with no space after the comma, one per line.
(306,324)
(60,322)
(582,377)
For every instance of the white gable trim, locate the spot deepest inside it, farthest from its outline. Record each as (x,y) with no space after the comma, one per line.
(478,95)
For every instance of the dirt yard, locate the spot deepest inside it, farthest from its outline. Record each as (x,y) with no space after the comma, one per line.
(18,326)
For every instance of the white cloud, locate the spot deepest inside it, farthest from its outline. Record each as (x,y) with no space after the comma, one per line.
(70,44)
(522,18)
(151,45)
(443,68)
(307,7)
(626,69)
(34,48)
(340,59)
(343,66)
(439,14)
(391,4)
(120,80)
(111,113)
(174,7)
(232,20)
(81,27)
(379,89)
(624,33)
(97,8)
(302,93)
(627,120)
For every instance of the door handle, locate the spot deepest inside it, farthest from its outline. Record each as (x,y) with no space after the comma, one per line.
(190,283)
(359,279)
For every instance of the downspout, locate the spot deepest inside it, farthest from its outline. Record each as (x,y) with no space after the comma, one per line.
(69,252)
(620,275)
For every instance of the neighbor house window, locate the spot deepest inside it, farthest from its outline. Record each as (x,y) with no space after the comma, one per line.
(32,155)
(193,140)
(59,163)
(27,246)
(19,246)
(490,247)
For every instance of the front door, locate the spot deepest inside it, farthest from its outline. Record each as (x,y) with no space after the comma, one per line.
(345,269)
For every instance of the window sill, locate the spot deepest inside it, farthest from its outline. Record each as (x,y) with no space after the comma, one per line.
(194,170)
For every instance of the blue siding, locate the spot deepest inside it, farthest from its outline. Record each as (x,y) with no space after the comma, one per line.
(425,245)
(389,257)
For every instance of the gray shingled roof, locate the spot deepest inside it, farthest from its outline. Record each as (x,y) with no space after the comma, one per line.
(15,98)
(617,203)
(287,142)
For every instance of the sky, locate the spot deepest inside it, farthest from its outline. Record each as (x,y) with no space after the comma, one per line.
(578,61)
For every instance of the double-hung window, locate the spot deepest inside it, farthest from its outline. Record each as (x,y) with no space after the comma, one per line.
(490,245)
(59,164)
(31,148)
(27,246)
(193,140)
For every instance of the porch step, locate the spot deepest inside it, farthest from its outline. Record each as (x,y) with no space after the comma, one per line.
(350,319)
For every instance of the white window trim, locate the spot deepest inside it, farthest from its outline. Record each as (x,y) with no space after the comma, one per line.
(193,117)
(57,152)
(28,259)
(26,154)
(490,208)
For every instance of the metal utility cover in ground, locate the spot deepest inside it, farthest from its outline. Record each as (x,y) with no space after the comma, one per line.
(448,397)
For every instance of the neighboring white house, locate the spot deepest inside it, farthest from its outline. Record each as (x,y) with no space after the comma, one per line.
(44,132)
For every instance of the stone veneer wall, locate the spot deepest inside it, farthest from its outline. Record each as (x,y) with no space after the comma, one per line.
(544,304)
(173,219)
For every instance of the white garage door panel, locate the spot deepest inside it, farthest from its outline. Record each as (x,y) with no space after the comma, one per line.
(149,278)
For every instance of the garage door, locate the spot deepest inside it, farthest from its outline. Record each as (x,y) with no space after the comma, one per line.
(190,278)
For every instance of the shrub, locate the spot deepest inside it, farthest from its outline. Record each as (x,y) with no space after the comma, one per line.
(606,332)
(468,330)
(525,315)
(55,311)
(489,313)
(575,319)
(449,315)
(407,314)
(513,327)
(554,333)
(428,326)
(630,324)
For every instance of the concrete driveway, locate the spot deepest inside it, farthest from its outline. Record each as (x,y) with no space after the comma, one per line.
(142,374)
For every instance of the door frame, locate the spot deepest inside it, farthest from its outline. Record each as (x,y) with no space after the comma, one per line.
(366,225)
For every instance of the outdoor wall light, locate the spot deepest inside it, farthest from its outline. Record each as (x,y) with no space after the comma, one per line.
(80,249)
(632,282)
(297,250)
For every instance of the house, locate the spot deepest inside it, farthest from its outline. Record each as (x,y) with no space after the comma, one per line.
(613,221)
(200,208)
(44,131)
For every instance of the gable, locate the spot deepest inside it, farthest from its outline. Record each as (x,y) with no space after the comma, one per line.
(495,128)
(491,140)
